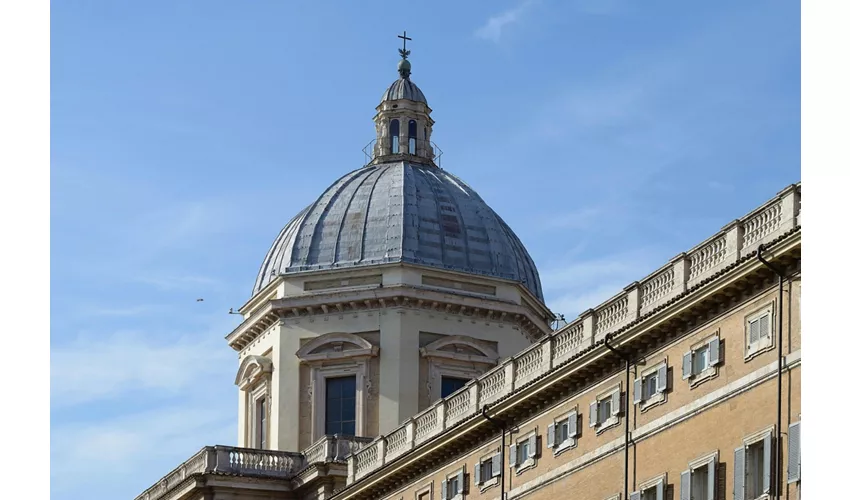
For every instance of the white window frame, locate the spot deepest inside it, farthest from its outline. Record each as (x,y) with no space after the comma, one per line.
(652,484)
(443,363)
(461,488)
(429,489)
(254,380)
(660,396)
(494,480)
(615,497)
(339,362)
(704,461)
(753,349)
(563,443)
(260,392)
(531,460)
(748,442)
(614,418)
(710,371)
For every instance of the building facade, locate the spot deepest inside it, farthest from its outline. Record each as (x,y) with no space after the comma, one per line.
(397,346)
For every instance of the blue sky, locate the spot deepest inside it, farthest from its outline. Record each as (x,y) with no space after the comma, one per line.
(610,135)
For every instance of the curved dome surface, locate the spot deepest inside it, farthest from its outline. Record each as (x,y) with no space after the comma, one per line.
(400,212)
(403,88)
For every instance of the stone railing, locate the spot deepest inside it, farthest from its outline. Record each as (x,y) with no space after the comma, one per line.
(227,459)
(681,273)
(333,448)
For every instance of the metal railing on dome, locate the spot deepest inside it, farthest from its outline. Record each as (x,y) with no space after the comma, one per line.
(368,153)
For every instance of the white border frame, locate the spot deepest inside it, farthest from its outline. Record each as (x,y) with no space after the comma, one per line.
(568,443)
(762,345)
(710,372)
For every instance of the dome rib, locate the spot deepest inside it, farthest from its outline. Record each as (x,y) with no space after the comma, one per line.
(403,88)
(400,212)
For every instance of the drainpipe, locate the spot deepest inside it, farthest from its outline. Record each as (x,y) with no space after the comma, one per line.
(628,387)
(777,469)
(502,426)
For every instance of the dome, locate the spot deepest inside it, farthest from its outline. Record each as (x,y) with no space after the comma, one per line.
(403,88)
(400,212)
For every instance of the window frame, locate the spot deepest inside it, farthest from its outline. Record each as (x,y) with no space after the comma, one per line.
(653,483)
(427,489)
(763,344)
(660,395)
(458,474)
(748,442)
(530,461)
(706,461)
(563,443)
(614,419)
(710,371)
(493,480)
(327,381)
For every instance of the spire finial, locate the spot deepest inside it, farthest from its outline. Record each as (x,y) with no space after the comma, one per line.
(403,51)
(404,64)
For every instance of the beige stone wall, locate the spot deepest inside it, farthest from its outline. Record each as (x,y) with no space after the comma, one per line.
(590,471)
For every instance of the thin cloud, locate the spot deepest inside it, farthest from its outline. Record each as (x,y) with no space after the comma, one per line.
(493,28)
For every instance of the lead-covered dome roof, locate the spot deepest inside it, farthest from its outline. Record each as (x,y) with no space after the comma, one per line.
(400,212)
(403,88)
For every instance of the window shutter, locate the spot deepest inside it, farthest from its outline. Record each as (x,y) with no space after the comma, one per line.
(550,436)
(638,390)
(497,464)
(635,495)
(615,403)
(594,413)
(662,378)
(754,331)
(794,452)
(686,365)
(445,493)
(659,491)
(572,424)
(512,456)
(461,482)
(764,326)
(532,446)
(477,473)
(714,352)
(712,466)
(685,486)
(738,490)
(767,465)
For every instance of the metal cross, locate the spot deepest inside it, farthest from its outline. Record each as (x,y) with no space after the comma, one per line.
(404,52)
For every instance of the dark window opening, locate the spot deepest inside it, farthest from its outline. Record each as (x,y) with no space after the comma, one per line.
(261,423)
(451,385)
(411,137)
(340,403)
(394,131)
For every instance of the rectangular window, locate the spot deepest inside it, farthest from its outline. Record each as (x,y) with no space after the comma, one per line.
(700,360)
(562,434)
(605,408)
(340,405)
(486,470)
(650,385)
(522,451)
(450,385)
(754,470)
(759,332)
(699,483)
(452,487)
(260,424)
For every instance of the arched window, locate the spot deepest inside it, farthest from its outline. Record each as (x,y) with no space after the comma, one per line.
(411,137)
(394,135)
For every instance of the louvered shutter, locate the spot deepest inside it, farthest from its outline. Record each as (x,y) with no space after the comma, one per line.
(532,446)
(638,391)
(754,331)
(659,491)
(512,456)
(445,491)
(461,482)
(550,436)
(497,465)
(615,403)
(594,414)
(635,495)
(662,378)
(794,452)
(685,486)
(572,425)
(767,463)
(686,365)
(739,477)
(764,326)
(714,352)
(712,466)
(477,473)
